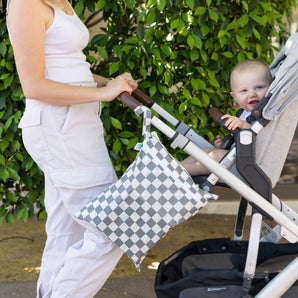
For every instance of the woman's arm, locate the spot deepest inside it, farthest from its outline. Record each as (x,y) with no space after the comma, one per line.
(27,21)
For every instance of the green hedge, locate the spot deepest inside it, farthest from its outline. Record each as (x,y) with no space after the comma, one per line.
(181,52)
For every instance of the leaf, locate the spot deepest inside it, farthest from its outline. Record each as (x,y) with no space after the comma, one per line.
(190,3)
(98,39)
(213,15)
(114,68)
(256,33)
(79,8)
(163,89)
(130,3)
(8,82)
(257,18)
(227,54)
(2,160)
(10,218)
(100,4)
(125,134)
(190,41)
(243,20)
(140,31)
(90,5)
(205,29)
(208,2)
(259,49)
(197,41)
(8,123)
(116,123)
(222,41)
(150,18)
(166,50)
(231,26)
(203,119)
(245,5)
(22,210)
(3,49)
(12,196)
(175,24)
(161,4)
(152,90)
(4,144)
(204,55)
(182,107)
(132,143)
(42,214)
(197,84)
(242,42)
(13,174)
(266,6)
(102,52)
(196,101)
(194,55)
(32,196)
(28,164)
(200,10)
(214,56)
(117,146)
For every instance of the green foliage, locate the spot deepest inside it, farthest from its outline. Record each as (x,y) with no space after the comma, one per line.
(181,53)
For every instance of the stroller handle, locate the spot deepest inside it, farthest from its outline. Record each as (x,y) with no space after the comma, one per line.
(143,98)
(215,113)
(129,100)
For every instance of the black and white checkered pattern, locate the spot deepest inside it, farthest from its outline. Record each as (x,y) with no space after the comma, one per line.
(154,195)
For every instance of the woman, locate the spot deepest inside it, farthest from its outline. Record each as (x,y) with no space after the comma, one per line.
(63,133)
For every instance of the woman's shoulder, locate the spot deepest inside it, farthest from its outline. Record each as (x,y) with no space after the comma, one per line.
(33,5)
(23,12)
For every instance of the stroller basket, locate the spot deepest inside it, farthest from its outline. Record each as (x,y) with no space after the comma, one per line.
(214,268)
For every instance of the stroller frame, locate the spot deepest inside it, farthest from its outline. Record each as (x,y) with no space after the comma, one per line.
(285,219)
(251,189)
(191,143)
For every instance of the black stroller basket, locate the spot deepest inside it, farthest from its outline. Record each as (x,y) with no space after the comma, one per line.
(214,268)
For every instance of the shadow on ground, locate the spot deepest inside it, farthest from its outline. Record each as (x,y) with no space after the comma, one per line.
(21,246)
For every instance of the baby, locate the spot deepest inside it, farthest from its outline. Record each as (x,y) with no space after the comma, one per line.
(249,81)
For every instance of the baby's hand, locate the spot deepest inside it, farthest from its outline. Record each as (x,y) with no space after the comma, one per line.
(233,122)
(217,141)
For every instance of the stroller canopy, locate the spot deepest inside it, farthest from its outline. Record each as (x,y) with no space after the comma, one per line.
(284,69)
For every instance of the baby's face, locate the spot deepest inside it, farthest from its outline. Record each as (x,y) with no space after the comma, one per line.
(249,87)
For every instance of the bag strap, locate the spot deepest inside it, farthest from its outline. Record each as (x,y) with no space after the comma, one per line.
(147,117)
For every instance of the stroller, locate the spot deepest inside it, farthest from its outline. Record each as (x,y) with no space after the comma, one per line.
(236,268)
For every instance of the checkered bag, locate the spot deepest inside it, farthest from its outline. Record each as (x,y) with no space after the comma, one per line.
(153,195)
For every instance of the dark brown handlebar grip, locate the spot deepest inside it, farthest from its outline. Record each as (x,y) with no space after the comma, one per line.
(143,98)
(215,113)
(129,100)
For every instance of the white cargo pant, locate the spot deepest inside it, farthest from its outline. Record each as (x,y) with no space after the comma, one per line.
(67,143)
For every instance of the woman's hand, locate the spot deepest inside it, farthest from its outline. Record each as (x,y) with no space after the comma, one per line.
(122,83)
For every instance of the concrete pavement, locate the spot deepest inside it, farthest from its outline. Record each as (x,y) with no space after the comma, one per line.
(142,285)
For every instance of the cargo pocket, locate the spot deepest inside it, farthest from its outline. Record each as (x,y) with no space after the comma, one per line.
(78,186)
(81,178)
(33,137)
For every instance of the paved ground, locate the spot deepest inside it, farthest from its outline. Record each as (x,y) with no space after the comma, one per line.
(216,220)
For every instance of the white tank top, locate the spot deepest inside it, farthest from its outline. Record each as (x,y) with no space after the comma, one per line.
(65,40)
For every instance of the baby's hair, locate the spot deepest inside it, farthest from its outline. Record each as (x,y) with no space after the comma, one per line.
(250,63)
